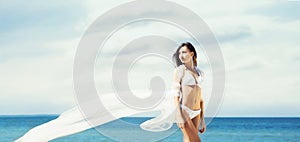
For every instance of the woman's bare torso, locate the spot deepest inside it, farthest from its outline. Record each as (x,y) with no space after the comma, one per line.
(191,95)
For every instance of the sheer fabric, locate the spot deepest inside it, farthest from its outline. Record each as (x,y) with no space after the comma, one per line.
(72,121)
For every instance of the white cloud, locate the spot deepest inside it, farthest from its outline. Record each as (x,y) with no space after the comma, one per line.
(39,80)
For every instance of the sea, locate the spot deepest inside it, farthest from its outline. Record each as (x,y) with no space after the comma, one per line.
(220,129)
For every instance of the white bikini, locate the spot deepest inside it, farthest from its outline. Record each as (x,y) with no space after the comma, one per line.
(187,78)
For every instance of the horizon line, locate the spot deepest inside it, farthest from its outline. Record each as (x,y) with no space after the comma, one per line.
(28,115)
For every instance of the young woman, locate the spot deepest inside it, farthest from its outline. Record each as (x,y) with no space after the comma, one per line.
(188,99)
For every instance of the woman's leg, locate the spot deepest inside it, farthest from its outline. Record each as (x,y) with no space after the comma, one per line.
(190,133)
(196,122)
(185,135)
(183,130)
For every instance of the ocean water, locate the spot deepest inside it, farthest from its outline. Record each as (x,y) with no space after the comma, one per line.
(219,130)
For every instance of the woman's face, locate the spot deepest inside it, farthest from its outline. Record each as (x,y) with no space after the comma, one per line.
(185,55)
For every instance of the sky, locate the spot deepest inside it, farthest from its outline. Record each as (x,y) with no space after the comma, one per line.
(259,42)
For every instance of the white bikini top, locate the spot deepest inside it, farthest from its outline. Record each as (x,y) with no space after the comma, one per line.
(187,77)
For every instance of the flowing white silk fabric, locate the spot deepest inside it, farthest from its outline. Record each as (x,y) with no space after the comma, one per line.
(72,121)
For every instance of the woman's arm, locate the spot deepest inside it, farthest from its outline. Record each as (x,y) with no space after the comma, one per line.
(176,88)
(203,125)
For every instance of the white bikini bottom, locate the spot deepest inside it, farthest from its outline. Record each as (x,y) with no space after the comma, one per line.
(192,113)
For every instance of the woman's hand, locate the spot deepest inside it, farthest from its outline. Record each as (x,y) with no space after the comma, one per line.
(203,128)
(180,121)
(180,125)
(182,117)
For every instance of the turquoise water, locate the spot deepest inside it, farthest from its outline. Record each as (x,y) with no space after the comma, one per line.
(219,130)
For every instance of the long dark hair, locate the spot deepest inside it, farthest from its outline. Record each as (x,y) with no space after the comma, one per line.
(176,59)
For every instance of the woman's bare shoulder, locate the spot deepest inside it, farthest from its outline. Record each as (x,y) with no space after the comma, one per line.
(178,71)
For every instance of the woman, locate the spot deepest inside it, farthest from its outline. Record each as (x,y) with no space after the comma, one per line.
(188,100)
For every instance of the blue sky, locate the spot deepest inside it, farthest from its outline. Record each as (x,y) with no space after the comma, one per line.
(259,41)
